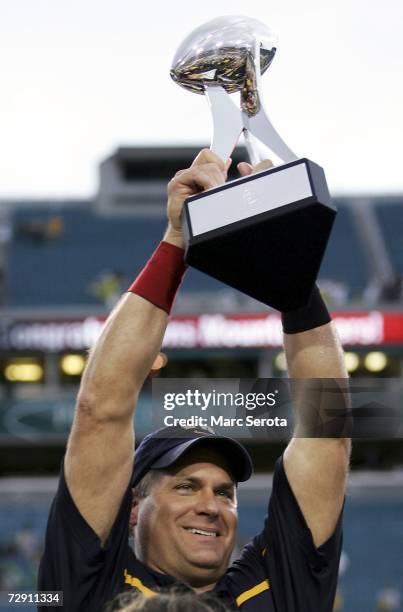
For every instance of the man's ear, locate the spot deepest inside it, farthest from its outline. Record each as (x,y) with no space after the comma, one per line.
(134,513)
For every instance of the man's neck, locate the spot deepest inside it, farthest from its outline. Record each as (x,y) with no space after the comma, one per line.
(197,589)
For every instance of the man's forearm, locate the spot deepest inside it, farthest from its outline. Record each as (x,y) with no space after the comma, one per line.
(133,334)
(316,366)
(123,356)
(322,408)
(316,353)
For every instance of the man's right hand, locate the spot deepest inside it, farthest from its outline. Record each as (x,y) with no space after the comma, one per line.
(207,171)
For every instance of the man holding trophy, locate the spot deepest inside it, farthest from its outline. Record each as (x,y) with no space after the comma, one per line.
(178,496)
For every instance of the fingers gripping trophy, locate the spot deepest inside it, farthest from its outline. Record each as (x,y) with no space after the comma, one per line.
(263,234)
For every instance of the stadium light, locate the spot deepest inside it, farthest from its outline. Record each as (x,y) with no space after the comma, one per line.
(376,361)
(72,365)
(352,361)
(26,372)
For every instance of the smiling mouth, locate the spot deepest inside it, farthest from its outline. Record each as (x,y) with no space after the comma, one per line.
(202,532)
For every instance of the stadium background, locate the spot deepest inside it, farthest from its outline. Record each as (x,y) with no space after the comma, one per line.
(65,263)
(86,77)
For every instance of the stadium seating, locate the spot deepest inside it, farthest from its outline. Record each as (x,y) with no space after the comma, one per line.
(61,271)
(390,217)
(344,261)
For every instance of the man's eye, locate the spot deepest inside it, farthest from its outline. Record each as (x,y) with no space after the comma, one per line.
(225,493)
(184,486)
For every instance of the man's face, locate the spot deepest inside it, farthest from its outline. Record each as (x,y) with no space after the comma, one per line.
(186,526)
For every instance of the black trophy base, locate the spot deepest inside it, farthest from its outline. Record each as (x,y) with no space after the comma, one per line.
(264,234)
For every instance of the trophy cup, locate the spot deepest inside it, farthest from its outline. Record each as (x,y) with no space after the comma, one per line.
(264,234)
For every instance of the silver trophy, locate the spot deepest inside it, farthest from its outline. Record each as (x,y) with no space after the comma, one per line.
(263,234)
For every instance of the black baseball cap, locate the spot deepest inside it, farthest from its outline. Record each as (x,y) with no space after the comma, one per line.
(160,449)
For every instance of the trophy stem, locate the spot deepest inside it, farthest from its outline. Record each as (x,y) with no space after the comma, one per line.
(261,126)
(227,121)
(259,123)
(254,156)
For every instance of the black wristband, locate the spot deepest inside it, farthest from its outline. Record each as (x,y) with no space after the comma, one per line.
(314,314)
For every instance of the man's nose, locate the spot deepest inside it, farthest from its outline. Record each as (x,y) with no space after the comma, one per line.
(207,503)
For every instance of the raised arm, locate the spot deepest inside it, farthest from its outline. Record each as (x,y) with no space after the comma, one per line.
(99,457)
(317,467)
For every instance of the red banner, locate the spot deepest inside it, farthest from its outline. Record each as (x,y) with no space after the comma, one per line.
(261,330)
(373,328)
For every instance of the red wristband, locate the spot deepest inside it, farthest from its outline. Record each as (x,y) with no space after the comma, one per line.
(161,277)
